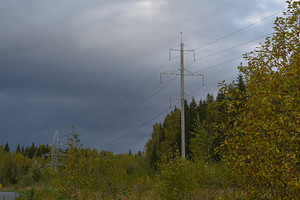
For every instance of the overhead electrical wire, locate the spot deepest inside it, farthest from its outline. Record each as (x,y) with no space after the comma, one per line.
(231,47)
(127,97)
(219,52)
(132,131)
(140,126)
(234,32)
(211,83)
(223,52)
(130,109)
(210,15)
(217,65)
(141,85)
(239,30)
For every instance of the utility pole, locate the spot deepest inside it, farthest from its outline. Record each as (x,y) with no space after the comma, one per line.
(182,98)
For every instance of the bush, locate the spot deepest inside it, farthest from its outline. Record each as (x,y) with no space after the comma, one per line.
(176,179)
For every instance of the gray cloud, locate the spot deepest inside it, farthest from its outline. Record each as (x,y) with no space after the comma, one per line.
(65,63)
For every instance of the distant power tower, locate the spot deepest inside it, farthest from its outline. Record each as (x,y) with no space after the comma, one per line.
(55,153)
(182,74)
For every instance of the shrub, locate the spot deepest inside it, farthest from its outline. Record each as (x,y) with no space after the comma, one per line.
(176,179)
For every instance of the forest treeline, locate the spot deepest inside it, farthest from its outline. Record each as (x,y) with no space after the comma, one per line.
(202,138)
(26,165)
(242,144)
(15,164)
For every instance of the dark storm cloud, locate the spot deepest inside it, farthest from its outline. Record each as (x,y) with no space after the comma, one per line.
(65,63)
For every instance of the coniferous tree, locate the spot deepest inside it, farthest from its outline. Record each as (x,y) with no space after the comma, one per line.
(202,110)
(190,118)
(210,98)
(241,85)
(18,149)
(6,148)
(152,147)
(32,151)
(47,150)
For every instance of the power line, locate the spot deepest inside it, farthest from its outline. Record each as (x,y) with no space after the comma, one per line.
(232,47)
(217,65)
(239,30)
(222,52)
(128,96)
(234,32)
(209,43)
(131,131)
(130,109)
(210,15)
(211,83)
(225,51)
(145,97)
(141,85)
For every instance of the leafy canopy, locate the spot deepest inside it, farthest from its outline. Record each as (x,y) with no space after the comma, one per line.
(262,144)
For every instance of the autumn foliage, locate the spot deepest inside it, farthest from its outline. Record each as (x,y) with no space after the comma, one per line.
(262,134)
(245,144)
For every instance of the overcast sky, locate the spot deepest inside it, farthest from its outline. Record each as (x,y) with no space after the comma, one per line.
(96,64)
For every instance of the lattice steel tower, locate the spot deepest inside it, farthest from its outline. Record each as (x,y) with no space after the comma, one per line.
(55,153)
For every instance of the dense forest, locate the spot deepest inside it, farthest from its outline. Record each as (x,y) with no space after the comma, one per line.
(242,144)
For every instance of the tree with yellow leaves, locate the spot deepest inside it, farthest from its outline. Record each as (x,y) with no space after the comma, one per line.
(262,141)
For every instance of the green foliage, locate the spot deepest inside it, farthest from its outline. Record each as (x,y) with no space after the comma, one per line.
(36,171)
(153,145)
(201,144)
(252,126)
(214,175)
(71,182)
(176,179)
(180,178)
(166,138)
(172,134)
(262,132)
(89,175)
(191,113)
(111,176)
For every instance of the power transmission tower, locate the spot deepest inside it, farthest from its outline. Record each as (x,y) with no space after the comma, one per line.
(55,153)
(182,74)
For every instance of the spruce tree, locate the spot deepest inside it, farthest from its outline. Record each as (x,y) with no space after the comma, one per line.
(6,148)
(18,149)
